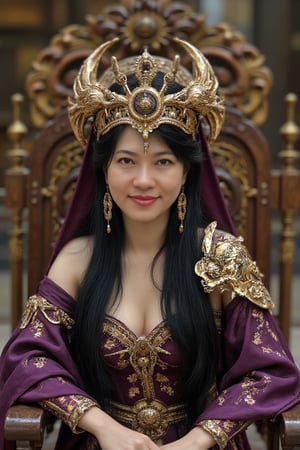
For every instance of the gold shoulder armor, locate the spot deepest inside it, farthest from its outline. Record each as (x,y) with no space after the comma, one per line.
(226,264)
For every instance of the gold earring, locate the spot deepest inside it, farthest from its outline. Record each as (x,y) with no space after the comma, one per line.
(107,209)
(181,207)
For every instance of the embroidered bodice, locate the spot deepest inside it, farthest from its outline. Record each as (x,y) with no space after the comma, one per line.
(145,372)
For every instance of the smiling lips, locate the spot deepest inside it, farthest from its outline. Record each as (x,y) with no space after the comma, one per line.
(143,200)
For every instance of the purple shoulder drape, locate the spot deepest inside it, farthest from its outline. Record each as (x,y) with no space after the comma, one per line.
(36,363)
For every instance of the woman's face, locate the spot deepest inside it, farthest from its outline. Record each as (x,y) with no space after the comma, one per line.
(144,184)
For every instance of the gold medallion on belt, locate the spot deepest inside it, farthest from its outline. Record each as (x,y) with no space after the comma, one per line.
(148,417)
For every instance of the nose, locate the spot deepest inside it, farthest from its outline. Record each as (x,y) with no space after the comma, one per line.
(144,177)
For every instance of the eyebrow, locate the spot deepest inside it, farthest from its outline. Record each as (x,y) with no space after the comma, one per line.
(158,153)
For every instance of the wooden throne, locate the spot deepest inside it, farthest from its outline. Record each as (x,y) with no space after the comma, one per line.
(39,183)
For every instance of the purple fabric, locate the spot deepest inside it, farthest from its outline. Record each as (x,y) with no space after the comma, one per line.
(258,377)
(212,197)
(33,359)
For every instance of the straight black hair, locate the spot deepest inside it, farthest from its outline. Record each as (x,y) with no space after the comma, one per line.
(192,324)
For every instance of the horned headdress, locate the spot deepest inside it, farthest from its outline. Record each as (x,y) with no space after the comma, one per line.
(144,107)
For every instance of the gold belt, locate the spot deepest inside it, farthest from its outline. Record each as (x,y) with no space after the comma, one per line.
(149,417)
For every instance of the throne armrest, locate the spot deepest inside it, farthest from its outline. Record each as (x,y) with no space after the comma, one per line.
(28,423)
(290,428)
(25,423)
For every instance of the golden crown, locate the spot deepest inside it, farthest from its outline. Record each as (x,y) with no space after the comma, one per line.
(145,108)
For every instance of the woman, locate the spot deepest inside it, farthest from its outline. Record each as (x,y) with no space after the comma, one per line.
(152,327)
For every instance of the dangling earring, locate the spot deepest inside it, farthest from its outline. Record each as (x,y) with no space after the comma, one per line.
(107,209)
(181,206)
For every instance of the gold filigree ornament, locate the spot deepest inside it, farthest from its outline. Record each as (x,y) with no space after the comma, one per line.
(145,108)
(52,313)
(227,265)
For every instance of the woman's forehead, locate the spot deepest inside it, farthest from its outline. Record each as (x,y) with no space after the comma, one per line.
(132,140)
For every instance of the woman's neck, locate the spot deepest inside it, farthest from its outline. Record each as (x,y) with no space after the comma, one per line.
(144,238)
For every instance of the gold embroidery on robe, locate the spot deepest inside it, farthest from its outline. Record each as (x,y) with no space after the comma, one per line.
(226,264)
(263,329)
(37,328)
(250,388)
(52,313)
(69,408)
(222,429)
(39,362)
(213,428)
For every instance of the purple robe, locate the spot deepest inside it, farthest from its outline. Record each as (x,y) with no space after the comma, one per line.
(258,377)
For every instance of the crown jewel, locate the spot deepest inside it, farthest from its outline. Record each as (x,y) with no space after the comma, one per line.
(144,107)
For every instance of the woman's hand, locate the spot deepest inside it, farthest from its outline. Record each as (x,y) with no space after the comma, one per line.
(116,436)
(196,439)
(111,435)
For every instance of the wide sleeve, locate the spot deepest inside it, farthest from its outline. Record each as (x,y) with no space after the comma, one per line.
(258,377)
(36,364)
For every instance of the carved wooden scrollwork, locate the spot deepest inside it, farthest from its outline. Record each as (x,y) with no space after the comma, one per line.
(244,79)
(232,170)
(63,176)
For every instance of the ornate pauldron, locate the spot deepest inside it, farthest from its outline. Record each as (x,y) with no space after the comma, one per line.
(227,265)
(52,313)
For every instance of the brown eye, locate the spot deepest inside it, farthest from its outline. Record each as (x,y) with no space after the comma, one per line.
(164,162)
(125,161)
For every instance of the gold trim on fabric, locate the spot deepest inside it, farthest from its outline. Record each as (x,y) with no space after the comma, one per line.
(218,429)
(227,265)
(213,428)
(52,313)
(148,417)
(69,409)
(83,405)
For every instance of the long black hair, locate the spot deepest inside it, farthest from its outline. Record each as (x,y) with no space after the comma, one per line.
(192,325)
